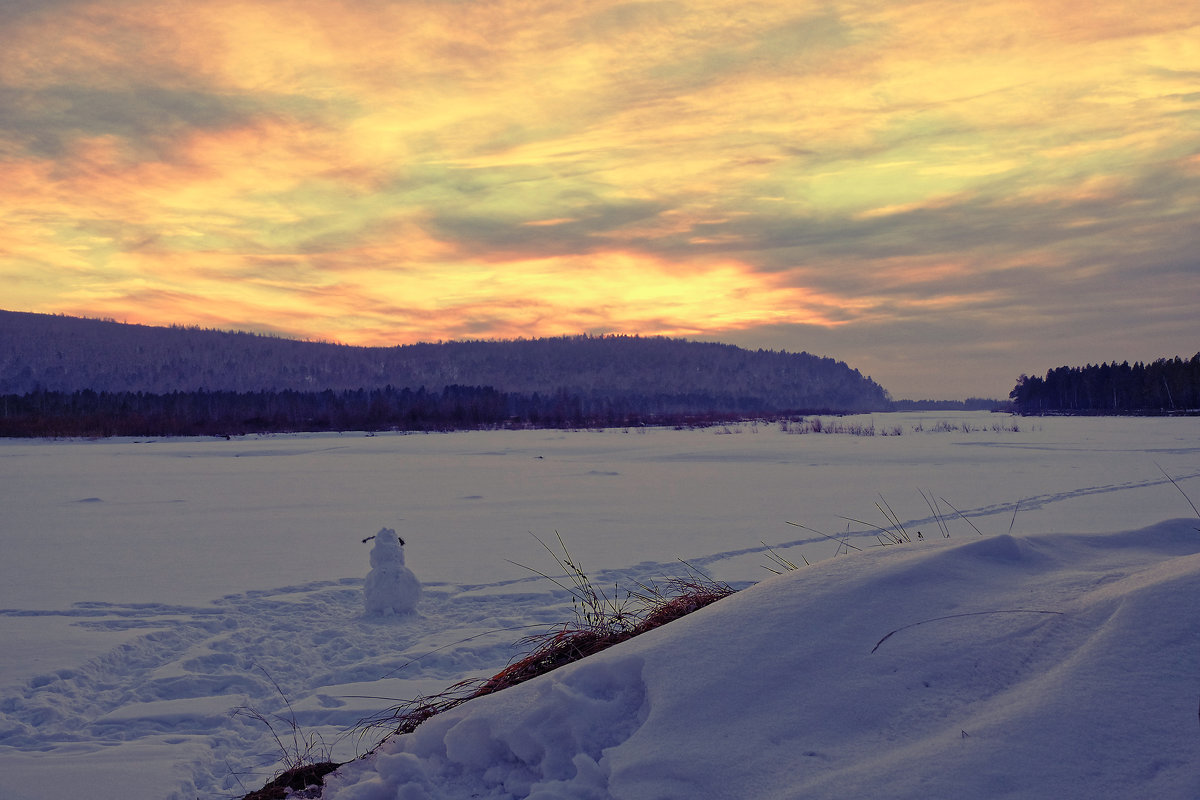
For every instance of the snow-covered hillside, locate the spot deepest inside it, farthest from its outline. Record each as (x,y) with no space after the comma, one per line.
(150,589)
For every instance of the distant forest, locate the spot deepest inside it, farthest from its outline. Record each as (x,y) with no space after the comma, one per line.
(970,404)
(64,376)
(1162,386)
(204,413)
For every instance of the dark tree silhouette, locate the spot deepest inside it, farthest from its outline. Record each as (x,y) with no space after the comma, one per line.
(1162,386)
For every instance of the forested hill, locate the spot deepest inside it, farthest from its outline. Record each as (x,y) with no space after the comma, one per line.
(67,354)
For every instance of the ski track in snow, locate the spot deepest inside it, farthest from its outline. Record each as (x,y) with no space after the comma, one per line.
(948,515)
(295,653)
(1042,500)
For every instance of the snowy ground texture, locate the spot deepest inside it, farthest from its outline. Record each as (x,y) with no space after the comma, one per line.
(149,589)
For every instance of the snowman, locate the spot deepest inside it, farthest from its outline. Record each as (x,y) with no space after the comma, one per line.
(391,587)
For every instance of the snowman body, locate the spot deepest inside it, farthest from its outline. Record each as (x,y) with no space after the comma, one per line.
(391,587)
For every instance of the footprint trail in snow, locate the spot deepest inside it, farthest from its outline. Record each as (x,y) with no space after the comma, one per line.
(207,677)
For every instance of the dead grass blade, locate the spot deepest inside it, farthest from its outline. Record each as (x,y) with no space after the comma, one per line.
(842,542)
(1180,488)
(964,518)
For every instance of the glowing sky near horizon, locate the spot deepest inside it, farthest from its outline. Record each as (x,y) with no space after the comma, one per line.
(943,194)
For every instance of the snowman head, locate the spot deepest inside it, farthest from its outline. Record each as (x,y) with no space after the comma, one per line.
(388,549)
(388,538)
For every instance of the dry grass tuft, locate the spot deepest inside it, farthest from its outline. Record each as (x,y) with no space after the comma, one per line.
(295,779)
(600,623)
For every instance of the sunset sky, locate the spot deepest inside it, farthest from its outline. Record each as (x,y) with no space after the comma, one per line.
(943,194)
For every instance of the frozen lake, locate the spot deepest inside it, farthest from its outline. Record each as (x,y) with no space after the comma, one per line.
(209,545)
(188,521)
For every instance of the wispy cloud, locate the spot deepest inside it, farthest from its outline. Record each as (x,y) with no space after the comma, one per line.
(943,194)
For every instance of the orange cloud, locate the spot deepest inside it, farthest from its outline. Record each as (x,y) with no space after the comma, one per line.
(615,291)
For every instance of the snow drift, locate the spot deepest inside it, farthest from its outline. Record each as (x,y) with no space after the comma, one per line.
(1047,666)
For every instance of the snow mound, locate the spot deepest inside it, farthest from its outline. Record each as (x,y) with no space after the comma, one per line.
(1046,666)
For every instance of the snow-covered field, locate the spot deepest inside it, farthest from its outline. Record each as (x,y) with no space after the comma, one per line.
(148,589)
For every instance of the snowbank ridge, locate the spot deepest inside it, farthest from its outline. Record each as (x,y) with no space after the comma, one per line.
(776,693)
